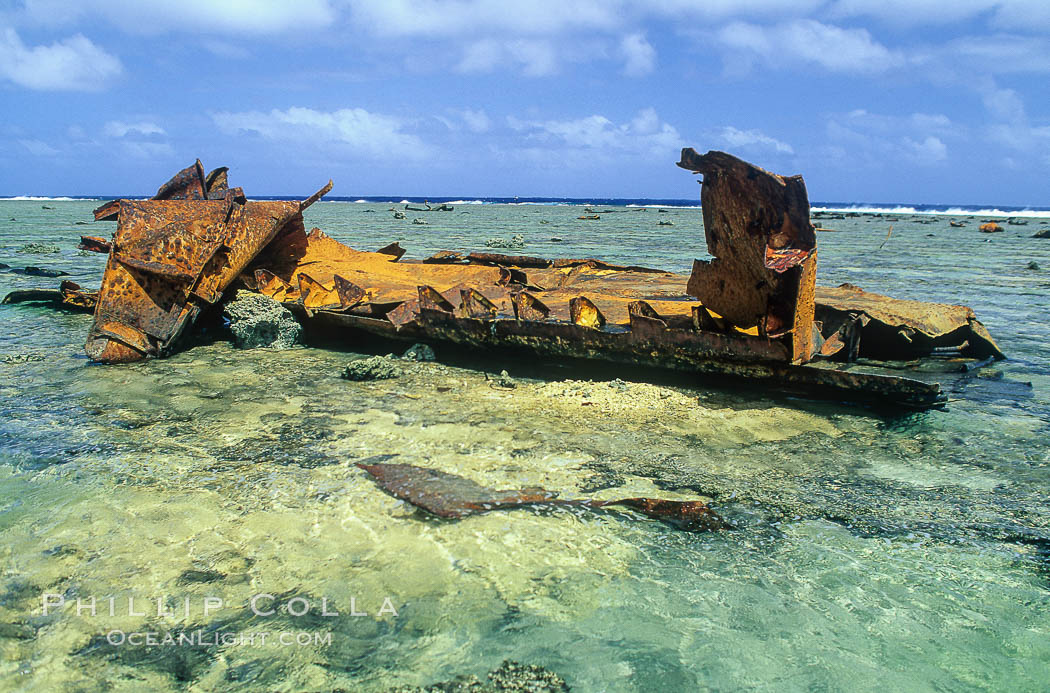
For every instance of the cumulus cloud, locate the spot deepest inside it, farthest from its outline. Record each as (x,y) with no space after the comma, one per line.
(546,17)
(117,129)
(1011,125)
(639,55)
(809,42)
(752,139)
(248,17)
(534,57)
(879,139)
(1024,15)
(372,134)
(645,134)
(38,147)
(467,17)
(476,121)
(73,64)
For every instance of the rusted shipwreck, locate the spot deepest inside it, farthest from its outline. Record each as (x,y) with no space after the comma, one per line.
(753,312)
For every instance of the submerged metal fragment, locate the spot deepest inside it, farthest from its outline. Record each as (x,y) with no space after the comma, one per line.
(452,496)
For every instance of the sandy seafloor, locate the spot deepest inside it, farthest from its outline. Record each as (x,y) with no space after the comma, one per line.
(872,551)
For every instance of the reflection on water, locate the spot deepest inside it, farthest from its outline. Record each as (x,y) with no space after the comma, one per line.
(871,552)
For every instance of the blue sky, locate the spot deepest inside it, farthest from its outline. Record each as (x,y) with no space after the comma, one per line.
(921,101)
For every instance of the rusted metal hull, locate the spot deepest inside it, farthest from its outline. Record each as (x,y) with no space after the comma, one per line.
(752,314)
(701,358)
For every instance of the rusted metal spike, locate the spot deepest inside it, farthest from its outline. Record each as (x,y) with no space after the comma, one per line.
(644,327)
(269,284)
(349,294)
(584,313)
(431,299)
(187,184)
(475,305)
(508,276)
(704,320)
(316,196)
(394,249)
(642,308)
(315,295)
(216,181)
(528,307)
(404,314)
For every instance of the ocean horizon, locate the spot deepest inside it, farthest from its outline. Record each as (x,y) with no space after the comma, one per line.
(639,202)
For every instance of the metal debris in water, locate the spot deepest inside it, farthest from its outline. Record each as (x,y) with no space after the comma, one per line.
(752,314)
(452,496)
(175,254)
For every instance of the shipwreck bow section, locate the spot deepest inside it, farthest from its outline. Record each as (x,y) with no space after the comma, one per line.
(174,254)
(758,230)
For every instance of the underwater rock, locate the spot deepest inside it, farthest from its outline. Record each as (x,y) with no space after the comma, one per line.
(1041,233)
(1033,265)
(258,321)
(516,241)
(42,272)
(991,227)
(504,380)
(510,676)
(200,576)
(28,357)
(420,222)
(39,248)
(373,368)
(419,352)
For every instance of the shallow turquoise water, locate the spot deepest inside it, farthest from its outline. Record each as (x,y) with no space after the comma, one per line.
(872,552)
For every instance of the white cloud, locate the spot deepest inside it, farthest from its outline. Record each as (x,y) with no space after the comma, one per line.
(73,64)
(752,139)
(551,17)
(534,57)
(38,148)
(645,134)
(146,150)
(491,17)
(639,55)
(117,129)
(808,42)
(476,121)
(372,134)
(929,151)
(1024,15)
(239,17)
(889,140)
(1011,126)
